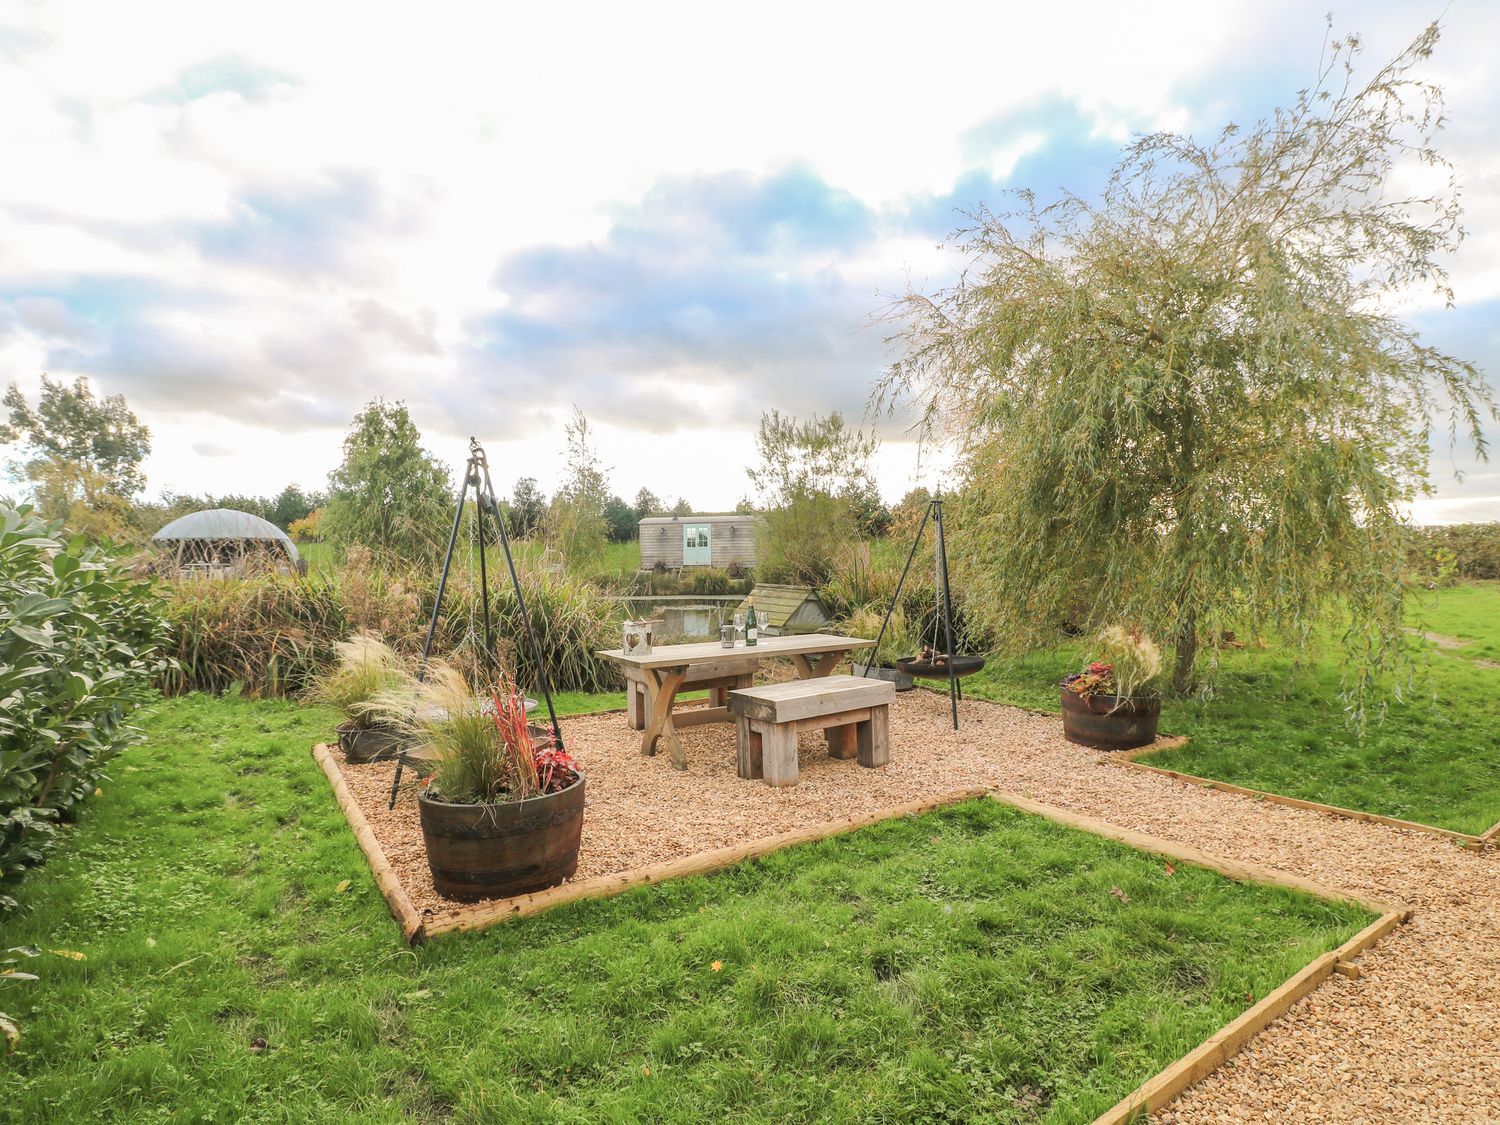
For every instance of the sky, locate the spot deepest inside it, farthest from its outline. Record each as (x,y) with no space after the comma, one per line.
(252,219)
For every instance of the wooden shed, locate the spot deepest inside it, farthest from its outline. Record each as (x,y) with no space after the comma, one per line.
(676,541)
(780,610)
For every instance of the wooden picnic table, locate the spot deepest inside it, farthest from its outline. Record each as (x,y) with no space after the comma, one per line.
(665,668)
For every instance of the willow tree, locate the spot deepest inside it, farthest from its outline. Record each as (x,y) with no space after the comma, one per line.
(1193,404)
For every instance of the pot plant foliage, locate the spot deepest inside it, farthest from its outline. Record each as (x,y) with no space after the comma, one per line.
(1192,403)
(484,748)
(364,669)
(1129,666)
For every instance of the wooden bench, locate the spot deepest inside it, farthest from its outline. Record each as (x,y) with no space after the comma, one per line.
(853,713)
(717,677)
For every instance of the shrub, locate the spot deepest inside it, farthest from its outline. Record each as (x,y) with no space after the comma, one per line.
(1467,550)
(80,644)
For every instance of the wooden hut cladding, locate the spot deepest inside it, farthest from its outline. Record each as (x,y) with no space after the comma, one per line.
(676,541)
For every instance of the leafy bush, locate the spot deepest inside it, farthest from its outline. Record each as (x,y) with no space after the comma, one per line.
(80,645)
(1468,550)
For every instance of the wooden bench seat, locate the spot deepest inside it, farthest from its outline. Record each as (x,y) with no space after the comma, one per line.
(853,713)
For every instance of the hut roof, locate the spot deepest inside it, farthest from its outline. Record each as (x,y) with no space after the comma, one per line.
(224,523)
(775,604)
(715,517)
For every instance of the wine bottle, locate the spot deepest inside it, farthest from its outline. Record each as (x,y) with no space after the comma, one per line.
(752,630)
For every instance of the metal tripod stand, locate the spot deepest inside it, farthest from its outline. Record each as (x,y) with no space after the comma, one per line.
(477,477)
(934,512)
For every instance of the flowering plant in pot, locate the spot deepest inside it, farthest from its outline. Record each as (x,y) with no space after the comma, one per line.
(1114,702)
(502,812)
(365,671)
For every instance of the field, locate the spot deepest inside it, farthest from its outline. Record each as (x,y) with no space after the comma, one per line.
(975,963)
(1430,758)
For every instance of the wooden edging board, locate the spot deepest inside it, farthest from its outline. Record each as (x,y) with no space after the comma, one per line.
(395,894)
(1129,759)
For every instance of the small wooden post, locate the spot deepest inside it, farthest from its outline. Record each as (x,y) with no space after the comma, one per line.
(779,754)
(747,749)
(841,741)
(874,738)
(636,703)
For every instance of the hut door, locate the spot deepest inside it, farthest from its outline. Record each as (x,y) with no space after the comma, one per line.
(696,548)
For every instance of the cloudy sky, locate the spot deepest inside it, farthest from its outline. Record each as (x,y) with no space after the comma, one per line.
(250,219)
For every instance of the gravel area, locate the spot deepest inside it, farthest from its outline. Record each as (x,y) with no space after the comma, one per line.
(1415,1038)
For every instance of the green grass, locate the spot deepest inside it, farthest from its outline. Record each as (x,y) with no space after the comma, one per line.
(1431,758)
(1468,612)
(975,964)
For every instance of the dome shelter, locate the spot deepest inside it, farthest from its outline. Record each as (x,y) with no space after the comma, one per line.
(223,541)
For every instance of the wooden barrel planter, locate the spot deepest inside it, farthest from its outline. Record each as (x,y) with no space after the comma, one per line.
(504,849)
(367,744)
(1107,722)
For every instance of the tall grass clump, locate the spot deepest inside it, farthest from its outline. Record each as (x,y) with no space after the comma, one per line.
(265,635)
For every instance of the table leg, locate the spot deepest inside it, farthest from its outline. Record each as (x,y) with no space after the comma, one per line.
(816,667)
(661,692)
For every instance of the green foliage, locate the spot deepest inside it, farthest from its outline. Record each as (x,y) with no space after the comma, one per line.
(526,510)
(814,478)
(900,638)
(860,977)
(1463,550)
(804,538)
(1188,405)
(69,426)
(571,621)
(389,494)
(80,644)
(576,526)
(620,521)
(647,503)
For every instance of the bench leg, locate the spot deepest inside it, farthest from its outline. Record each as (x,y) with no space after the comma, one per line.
(779,754)
(635,700)
(747,746)
(842,741)
(874,738)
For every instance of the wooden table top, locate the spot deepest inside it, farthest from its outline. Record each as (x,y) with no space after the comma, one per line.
(702,652)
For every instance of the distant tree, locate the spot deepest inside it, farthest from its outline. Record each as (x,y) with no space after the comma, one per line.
(527,509)
(871,515)
(575,521)
(682,507)
(744,506)
(308,529)
(389,494)
(619,519)
(811,477)
(255,505)
(647,504)
(290,505)
(80,453)
(1192,405)
(822,456)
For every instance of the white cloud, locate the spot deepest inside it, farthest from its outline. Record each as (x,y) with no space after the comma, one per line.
(251,219)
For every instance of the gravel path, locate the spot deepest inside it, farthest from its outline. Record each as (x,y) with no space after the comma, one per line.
(1415,1038)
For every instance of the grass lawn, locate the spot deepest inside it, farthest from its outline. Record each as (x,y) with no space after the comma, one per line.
(1432,758)
(974,964)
